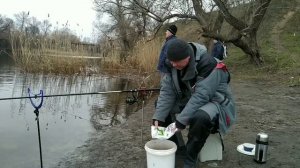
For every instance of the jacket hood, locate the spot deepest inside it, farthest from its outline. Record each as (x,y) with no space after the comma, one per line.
(189,72)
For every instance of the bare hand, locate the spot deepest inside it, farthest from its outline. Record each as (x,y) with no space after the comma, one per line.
(156,124)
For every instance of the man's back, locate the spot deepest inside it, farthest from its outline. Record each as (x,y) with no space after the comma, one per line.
(218,50)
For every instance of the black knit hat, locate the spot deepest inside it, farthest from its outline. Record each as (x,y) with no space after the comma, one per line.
(178,50)
(172,29)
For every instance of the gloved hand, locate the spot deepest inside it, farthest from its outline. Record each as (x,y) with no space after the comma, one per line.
(179,125)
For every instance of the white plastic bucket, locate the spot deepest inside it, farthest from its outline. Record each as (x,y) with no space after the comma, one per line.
(160,153)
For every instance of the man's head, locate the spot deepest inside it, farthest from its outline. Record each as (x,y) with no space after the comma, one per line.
(171,30)
(179,53)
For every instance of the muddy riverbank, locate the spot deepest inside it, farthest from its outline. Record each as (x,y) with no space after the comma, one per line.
(262,106)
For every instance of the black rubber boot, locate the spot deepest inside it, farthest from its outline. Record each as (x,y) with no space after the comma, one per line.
(200,127)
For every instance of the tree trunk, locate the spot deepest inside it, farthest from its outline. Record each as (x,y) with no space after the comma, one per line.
(245,30)
(249,45)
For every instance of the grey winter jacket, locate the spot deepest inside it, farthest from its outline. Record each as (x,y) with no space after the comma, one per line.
(203,87)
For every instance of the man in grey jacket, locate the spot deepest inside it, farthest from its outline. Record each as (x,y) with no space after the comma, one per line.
(199,88)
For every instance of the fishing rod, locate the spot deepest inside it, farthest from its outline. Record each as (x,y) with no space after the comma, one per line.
(88,93)
(136,95)
(140,94)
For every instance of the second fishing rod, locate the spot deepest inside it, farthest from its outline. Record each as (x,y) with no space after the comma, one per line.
(140,91)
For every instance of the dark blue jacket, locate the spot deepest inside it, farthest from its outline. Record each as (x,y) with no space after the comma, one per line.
(218,51)
(162,67)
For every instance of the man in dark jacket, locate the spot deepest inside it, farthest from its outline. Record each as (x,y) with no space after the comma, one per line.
(200,89)
(170,34)
(218,50)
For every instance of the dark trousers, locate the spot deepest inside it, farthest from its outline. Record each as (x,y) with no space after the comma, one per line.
(201,125)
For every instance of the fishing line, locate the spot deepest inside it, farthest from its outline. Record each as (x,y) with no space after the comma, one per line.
(89,120)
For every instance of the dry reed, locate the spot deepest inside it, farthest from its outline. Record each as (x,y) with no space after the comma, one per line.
(37,54)
(144,58)
(45,55)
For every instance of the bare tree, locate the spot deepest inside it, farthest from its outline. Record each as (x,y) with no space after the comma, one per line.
(126,25)
(244,33)
(33,27)
(22,20)
(5,24)
(45,27)
(118,26)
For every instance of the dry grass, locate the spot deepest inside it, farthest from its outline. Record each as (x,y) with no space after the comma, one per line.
(144,59)
(140,64)
(145,55)
(112,61)
(36,55)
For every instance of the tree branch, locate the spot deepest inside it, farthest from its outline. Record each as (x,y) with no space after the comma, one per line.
(238,24)
(259,14)
(229,39)
(200,13)
(148,12)
(155,33)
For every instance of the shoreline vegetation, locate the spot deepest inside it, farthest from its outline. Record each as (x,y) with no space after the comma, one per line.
(62,56)
(45,55)
(38,54)
(40,47)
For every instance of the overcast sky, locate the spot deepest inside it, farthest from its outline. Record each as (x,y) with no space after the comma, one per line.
(79,13)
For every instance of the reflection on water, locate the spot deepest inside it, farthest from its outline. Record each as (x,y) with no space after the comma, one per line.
(65,122)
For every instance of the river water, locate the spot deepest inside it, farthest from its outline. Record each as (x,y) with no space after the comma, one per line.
(65,122)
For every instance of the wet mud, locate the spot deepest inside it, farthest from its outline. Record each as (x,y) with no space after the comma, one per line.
(262,106)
